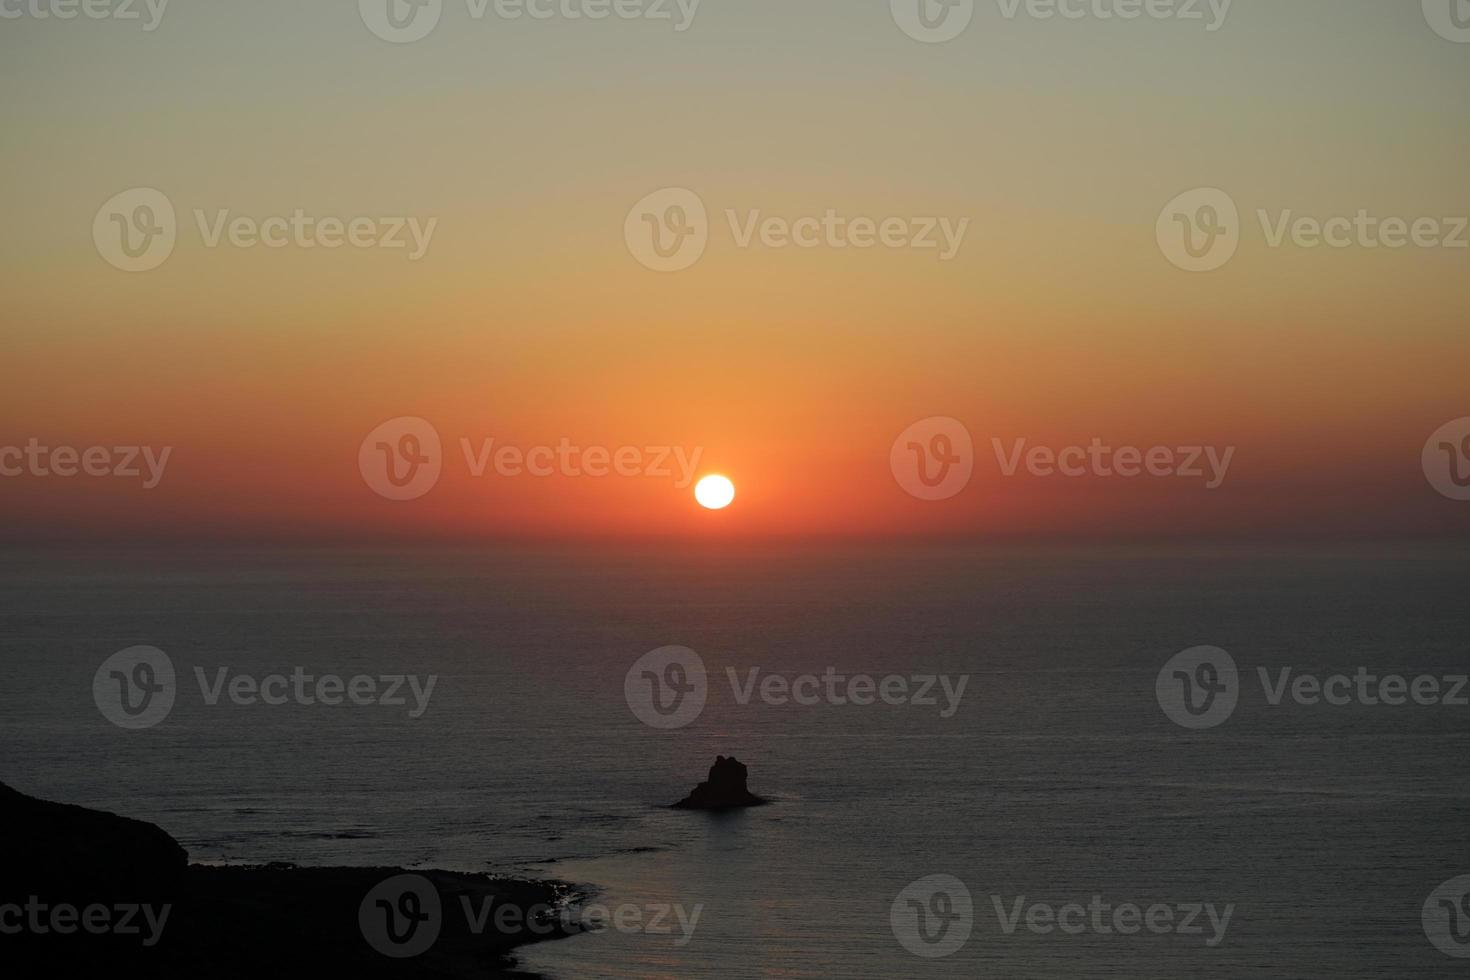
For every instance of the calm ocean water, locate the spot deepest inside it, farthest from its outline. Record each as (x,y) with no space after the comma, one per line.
(1058,778)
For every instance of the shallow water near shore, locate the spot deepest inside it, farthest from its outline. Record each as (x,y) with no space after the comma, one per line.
(1057,779)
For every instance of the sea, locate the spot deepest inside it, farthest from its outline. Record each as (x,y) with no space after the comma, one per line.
(1056,816)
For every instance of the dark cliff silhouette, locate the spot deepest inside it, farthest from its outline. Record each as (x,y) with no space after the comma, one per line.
(724,790)
(239,921)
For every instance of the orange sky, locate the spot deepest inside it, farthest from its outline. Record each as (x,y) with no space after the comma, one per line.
(529,320)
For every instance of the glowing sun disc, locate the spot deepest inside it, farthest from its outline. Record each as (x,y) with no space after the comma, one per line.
(714,493)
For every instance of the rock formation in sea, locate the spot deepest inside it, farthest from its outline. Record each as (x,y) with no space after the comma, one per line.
(724,790)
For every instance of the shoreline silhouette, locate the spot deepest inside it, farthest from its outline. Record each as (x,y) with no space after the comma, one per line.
(88,890)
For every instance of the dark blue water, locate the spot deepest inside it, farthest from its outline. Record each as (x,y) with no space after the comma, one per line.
(1057,778)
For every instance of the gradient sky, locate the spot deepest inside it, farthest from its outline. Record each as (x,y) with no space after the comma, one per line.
(529,321)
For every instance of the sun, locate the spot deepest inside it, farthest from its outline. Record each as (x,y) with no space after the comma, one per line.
(714,493)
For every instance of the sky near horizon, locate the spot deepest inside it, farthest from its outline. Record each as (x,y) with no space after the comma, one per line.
(530,319)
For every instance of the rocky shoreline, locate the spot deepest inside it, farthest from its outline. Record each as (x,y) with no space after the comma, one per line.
(84,890)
